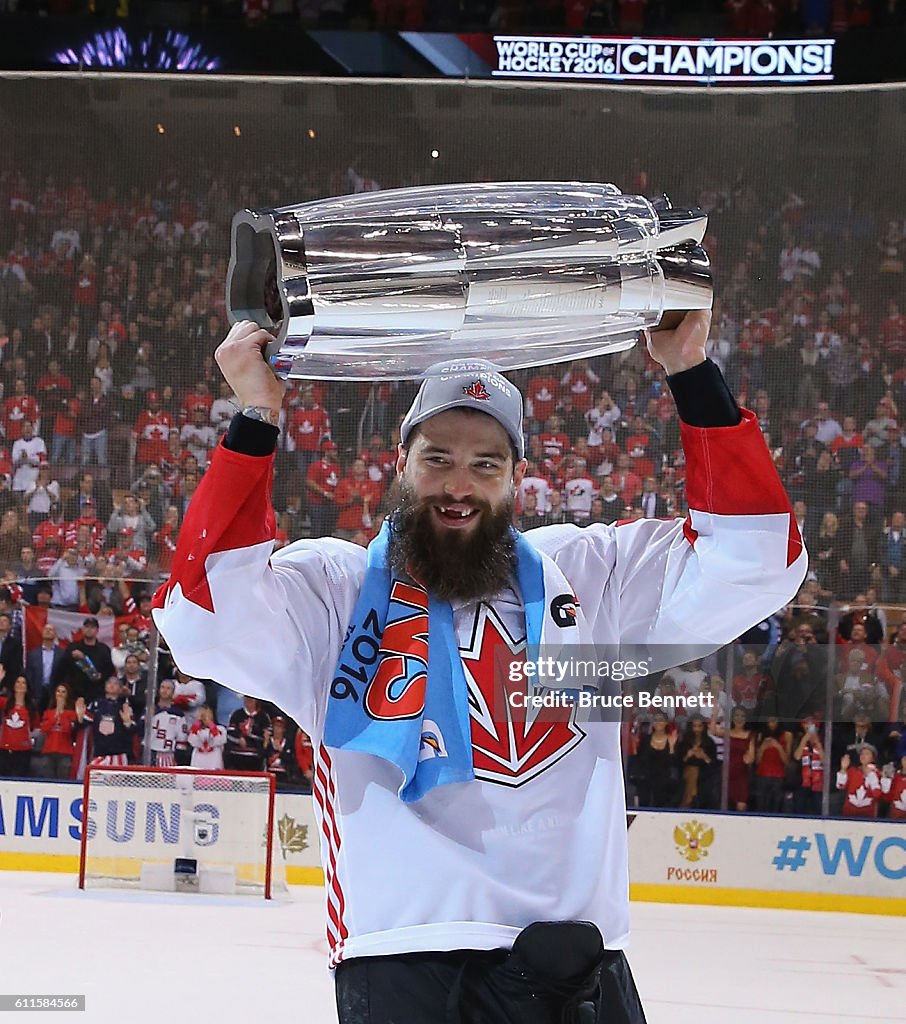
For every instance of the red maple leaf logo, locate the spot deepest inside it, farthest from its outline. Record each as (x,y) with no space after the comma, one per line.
(510,745)
(477,390)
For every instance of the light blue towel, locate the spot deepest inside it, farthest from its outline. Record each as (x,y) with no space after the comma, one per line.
(399,689)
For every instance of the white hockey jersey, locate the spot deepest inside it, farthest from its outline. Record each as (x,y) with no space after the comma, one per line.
(540,835)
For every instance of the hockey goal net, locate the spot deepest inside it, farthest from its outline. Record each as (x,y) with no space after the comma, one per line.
(180,829)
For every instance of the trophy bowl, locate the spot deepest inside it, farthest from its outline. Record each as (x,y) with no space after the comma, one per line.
(382,285)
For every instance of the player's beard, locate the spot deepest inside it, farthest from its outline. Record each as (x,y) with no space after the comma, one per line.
(453,566)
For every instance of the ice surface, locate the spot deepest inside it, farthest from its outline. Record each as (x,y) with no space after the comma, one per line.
(145,958)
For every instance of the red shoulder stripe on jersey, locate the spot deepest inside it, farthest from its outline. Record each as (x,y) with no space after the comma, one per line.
(231,509)
(729,471)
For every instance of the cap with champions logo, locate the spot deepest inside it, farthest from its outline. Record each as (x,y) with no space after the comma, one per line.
(468,384)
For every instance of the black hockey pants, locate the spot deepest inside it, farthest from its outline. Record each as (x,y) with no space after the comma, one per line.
(556,973)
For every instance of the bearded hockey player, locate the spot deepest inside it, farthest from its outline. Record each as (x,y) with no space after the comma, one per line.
(475,855)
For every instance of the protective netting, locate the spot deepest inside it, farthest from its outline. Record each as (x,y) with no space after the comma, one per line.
(117,195)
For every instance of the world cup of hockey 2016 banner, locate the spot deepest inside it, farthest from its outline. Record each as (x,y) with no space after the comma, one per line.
(383,285)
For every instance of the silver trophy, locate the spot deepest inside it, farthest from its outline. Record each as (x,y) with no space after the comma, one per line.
(384,284)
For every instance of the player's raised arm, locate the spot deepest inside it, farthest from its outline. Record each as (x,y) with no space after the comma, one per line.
(736,557)
(227,612)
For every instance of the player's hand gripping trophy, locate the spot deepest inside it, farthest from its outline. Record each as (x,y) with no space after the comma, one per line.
(385,285)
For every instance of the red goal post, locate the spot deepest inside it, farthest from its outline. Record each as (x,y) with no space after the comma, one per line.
(179,829)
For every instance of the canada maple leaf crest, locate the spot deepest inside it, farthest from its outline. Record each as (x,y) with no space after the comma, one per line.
(510,744)
(478,391)
(293,836)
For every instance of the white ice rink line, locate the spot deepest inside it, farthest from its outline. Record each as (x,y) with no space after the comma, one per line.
(142,958)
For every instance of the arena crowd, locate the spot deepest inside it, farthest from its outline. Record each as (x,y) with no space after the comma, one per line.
(111,304)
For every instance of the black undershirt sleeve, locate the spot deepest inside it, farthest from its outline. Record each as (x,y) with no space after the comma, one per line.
(250,437)
(703,398)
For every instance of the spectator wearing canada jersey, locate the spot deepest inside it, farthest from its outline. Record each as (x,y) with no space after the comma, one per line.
(200,395)
(189,695)
(152,431)
(17,719)
(893,789)
(604,415)
(198,436)
(542,396)
(86,520)
(860,783)
(379,460)
(750,684)
(49,537)
(17,409)
(207,740)
(578,491)
(357,497)
(308,427)
(322,482)
(223,408)
(245,737)
(50,390)
(580,381)
(537,486)
(627,482)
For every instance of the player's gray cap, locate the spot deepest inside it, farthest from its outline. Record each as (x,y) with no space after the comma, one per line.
(468,384)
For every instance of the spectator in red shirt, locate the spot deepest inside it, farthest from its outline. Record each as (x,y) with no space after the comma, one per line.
(861,784)
(357,498)
(59,724)
(165,540)
(846,446)
(542,395)
(16,721)
(304,757)
(201,395)
(321,483)
(627,483)
(380,461)
(308,426)
(772,755)
(749,685)
(88,519)
(580,381)
(18,408)
(640,447)
(152,431)
(49,537)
